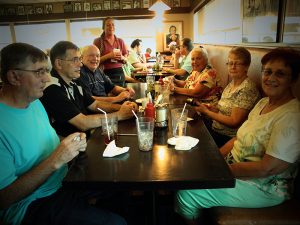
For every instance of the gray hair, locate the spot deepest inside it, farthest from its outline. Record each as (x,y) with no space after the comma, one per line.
(201,51)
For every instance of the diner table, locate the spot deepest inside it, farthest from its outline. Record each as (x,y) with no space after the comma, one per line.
(163,168)
(141,75)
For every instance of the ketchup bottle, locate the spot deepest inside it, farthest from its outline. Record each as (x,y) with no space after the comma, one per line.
(150,110)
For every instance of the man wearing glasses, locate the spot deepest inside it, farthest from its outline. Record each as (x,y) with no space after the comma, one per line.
(33,162)
(69,107)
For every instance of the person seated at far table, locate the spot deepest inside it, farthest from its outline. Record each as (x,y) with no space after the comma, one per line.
(148,54)
(136,57)
(237,100)
(33,162)
(182,60)
(95,82)
(265,152)
(202,84)
(129,70)
(68,105)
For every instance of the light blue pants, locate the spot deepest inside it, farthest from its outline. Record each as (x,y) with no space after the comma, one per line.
(243,195)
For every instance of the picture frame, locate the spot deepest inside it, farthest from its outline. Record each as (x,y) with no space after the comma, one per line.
(115,4)
(136,4)
(77,7)
(21,10)
(176,3)
(48,8)
(86,6)
(146,4)
(11,11)
(126,5)
(168,31)
(106,5)
(39,10)
(68,8)
(2,12)
(29,10)
(97,6)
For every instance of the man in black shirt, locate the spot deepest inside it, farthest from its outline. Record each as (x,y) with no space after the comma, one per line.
(68,105)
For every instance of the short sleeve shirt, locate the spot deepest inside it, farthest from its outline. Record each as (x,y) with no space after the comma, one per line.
(95,83)
(63,102)
(186,64)
(207,77)
(105,47)
(244,97)
(26,139)
(133,57)
(275,133)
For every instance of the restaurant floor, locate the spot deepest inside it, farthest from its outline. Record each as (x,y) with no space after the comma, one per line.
(136,208)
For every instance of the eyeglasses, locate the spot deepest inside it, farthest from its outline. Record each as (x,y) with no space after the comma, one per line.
(74,60)
(278,73)
(38,73)
(237,64)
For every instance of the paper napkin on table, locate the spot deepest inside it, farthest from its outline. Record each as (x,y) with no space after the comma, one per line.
(112,150)
(183,142)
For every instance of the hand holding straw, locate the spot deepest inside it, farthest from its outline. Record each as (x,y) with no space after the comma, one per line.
(105,115)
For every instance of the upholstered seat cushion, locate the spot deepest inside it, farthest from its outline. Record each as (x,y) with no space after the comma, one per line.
(287,213)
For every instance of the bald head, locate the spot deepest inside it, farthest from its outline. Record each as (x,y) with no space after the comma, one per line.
(91,57)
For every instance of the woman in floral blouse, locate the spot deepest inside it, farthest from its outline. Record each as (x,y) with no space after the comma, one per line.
(237,99)
(263,157)
(202,84)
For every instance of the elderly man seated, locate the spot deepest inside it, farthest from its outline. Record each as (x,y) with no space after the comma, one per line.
(67,103)
(95,82)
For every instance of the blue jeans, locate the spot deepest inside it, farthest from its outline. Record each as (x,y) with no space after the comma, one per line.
(69,207)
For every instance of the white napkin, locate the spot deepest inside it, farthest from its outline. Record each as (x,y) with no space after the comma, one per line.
(112,150)
(183,142)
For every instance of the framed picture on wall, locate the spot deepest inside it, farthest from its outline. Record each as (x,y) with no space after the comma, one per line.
(115,4)
(146,4)
(29,10)
(21,10)
(48,8)
(172,33)
(39,10)
(126,5)
(106,5)
(2,12)
(68,8)
(11,11)
(77,7)
(86,6)
(176,3)
(136,4)
(97,6)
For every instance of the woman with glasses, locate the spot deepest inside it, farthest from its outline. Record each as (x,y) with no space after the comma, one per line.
(113,52)
(237,99)
(263,155)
